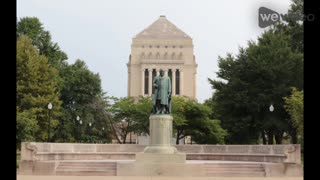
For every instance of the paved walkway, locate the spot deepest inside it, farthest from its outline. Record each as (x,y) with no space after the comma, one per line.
(20,177)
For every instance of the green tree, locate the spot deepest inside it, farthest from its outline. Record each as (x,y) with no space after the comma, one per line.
(294,26)
(82,96)
(258,76)
(26,126)
(191,118)
(123,111)
(294,106)
(41,39)
(210,132)
(143,106)
(36,87)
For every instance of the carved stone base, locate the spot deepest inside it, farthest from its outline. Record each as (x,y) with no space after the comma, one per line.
(160,135)
(160,158)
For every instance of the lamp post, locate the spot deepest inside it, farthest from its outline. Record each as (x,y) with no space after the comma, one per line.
(77,134)
(90,132)
(49,109)
(80,130)
(102,135)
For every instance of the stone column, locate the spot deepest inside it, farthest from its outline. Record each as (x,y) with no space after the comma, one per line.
(181,82)
(158,72)
(150,82)
(142,82)
(160,135)
(165,72)
(173,82)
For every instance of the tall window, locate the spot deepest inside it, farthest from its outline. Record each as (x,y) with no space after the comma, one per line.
(170,76)
(177,82)
(146,82)
(154,73)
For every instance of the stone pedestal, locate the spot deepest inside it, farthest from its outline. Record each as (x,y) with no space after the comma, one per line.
(160,135)
(160,158)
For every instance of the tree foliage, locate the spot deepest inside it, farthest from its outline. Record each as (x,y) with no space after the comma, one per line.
(44,76)
(82,96)
(130,115)
(36,87)
(41,40)
(294,106)
(191,118)
(257,77)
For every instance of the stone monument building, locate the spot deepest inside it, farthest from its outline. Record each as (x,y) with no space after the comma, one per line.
(162,46)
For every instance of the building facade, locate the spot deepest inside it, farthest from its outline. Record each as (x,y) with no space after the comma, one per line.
(162,46)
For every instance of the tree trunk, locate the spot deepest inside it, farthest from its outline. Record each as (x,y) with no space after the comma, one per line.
(270,137)
(124,137)
(113,129)
(130,137)
(279,137)
(264,139)
(178,134)
(294,136)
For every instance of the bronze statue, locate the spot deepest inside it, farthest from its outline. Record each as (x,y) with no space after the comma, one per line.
(162,94)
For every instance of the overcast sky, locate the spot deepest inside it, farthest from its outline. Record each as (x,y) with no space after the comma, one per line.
(100,31)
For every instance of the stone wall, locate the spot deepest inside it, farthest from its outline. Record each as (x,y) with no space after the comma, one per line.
(31,151)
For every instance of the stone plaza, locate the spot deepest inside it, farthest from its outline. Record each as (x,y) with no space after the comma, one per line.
(68,159)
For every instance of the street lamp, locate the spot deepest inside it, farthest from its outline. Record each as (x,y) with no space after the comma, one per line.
(80,130)
(49,109)
(77,130)
(271,108)
(90,132)
(102,135)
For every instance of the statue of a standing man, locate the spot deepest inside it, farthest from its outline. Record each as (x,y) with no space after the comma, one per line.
(162,94)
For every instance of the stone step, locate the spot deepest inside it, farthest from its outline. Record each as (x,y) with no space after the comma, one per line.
(80,166)
(236,174)
(91,163)
(85,173)
(239,166)
(233,164)
(86,169)
(236,169)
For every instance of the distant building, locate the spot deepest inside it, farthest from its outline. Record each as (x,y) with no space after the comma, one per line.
(162,46)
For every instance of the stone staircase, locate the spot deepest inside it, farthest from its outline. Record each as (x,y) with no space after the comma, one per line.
(234,169)
(86,168)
